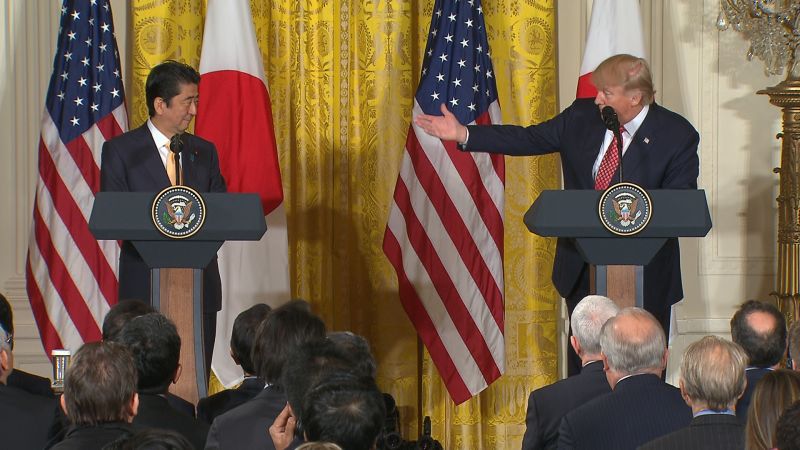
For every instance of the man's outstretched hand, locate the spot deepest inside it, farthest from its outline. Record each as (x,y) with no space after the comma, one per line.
(445,127)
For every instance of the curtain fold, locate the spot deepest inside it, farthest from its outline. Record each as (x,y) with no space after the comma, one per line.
(342,77)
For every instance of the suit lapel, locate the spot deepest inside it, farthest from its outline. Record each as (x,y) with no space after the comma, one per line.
(595,133)
(152,166)
(643,142)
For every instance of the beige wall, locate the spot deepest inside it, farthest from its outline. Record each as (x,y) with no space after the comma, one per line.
(699,72)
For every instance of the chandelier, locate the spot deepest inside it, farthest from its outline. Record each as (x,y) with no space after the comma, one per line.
(772,28)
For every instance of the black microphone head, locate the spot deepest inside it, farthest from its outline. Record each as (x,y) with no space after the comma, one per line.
(176,143)
(610,118)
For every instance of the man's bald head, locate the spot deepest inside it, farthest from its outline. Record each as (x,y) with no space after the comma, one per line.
(633,342)
(760,329)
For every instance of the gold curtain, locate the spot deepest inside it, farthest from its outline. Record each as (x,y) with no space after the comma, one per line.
(342,76)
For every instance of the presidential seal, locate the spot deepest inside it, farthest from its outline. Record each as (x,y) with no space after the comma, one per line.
(625,209)
(178,212)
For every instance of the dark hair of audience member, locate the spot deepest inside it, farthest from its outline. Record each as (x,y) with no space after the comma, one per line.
(787,432)
(284,330)
(357,349)
(772,395)
(347,412)
(244,333)
(120,314)
(6,316)
(100,384)
(763,349)
(156,347)
(164,81)
(152,439)
(308,366)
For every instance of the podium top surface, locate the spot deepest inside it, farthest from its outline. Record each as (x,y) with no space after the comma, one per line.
(128,216)
(574,213)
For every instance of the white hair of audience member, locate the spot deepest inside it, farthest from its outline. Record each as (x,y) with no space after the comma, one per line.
(319,446)
(713,372)
(633,351)
(588,318)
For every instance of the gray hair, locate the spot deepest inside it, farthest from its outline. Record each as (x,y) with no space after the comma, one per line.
(633,349)
(588,318)
(5,340)
(713,372)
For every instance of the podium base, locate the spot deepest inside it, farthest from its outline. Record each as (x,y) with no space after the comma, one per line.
(623,284)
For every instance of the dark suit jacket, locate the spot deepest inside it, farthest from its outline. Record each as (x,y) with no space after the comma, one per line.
(210,407)
(94,437)
(25,418)
(548,405)
(31,383)
(246,426)
(663,155)
(638,410)
(131,163)
(708,432)
(754,374)
(155,412)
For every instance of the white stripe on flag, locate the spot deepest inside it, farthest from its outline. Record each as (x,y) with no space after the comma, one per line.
(458,272)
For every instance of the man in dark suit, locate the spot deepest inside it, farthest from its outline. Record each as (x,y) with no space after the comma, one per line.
(640,407)
(140,161)
(99,397)
(156,347)
(25,418)
(280,336)
(19,379)
(659,152)
(712,380)
(548,405)
(760,329)
(242,337)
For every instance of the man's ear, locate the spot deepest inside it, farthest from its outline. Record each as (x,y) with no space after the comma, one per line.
(604,358)
(133,408)
(6,361)
(159,105)
(177,376)
(665,359)
(63,403)
(575,345)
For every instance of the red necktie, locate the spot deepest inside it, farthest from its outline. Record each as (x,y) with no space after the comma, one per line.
(609,164)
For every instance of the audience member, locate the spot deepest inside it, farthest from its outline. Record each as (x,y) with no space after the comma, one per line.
(117,317)
(787,432)
(761,331)
(242,337)
(548,405)
(20,379)
(152,439)
(712,380)
(319,446)
(775,392)
(794,345)
(25,418)
(641,407)
(120,314)
(156,347)
(346,412)
(99,397)
(285,329)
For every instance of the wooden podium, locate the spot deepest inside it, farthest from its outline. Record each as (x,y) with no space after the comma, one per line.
(177,275)
(617,262)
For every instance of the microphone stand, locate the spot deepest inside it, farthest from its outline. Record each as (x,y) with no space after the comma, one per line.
(618,136)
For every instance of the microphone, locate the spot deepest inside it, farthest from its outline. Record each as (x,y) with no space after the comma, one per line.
(611,120)
(176,147)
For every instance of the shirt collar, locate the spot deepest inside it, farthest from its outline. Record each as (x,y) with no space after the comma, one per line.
(158,137)
(636,122)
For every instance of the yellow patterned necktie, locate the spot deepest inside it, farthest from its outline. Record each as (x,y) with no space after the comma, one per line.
(171,166)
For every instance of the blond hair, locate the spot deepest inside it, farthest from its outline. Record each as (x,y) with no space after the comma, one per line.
(629,72)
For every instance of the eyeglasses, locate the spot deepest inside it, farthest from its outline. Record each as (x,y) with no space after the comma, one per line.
(10,340)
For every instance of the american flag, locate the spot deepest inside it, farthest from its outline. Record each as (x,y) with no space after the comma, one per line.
(444,236)
(71,276)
